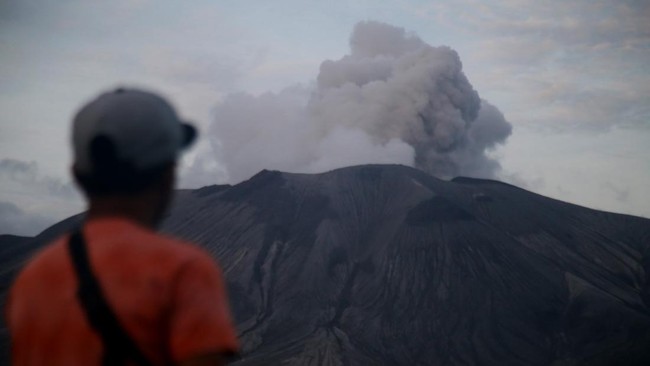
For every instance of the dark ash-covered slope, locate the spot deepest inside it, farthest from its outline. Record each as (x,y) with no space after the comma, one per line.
(387,265)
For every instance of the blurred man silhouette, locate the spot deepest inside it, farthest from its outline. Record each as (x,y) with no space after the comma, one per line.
(115,292)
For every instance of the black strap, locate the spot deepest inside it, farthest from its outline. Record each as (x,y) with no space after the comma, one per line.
(118,345)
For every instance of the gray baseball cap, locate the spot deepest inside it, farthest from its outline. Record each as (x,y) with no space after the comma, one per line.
(141,129)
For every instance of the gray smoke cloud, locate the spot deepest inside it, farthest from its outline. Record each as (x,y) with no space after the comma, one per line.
(17,173)
(15,221)
(30,200)
(393,99)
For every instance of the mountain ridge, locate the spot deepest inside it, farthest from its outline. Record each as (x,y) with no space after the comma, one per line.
(384,264)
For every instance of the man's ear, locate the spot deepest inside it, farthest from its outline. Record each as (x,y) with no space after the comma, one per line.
(170,175)
(166,181)
(74,172)
(79,182)
(162,192)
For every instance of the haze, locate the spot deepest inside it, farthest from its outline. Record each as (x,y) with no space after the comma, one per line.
(566,85)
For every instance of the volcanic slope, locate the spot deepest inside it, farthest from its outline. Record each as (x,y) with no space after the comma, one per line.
(387,265)
(375,265)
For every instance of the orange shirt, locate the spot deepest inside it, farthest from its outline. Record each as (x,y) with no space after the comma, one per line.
(168,295)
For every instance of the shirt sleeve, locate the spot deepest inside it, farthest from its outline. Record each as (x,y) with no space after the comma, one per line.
(200,319)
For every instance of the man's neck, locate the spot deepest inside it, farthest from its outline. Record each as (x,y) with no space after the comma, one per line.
(135,209)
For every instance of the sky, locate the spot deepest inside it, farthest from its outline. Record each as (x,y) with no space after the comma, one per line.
(568,82)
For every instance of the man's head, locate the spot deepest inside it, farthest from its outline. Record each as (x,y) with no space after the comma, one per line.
(126,143)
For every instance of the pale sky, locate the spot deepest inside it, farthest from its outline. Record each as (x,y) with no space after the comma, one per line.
(572,77)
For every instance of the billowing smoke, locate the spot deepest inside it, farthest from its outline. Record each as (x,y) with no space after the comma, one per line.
(393,99)
(30,200)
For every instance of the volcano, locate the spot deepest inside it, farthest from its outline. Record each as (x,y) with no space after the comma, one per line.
(386,265)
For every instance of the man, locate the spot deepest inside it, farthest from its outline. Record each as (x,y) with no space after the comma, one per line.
(165,299)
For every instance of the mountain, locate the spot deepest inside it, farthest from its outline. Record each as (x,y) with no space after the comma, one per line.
(384,264)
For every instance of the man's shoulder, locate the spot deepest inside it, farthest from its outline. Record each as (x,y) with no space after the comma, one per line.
(122,237)
(181,251)
(172,259)
(145,250)
(144,247)
(51,253)
(180,248)
(42,269)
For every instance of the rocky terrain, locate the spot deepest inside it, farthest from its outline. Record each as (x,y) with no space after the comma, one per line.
(376,265)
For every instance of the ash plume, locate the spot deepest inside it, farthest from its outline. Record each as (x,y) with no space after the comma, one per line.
(393,99)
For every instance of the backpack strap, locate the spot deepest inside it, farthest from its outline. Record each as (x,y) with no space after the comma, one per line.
(118,345)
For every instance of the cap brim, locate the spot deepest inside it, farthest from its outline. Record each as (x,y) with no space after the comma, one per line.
(190,134)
